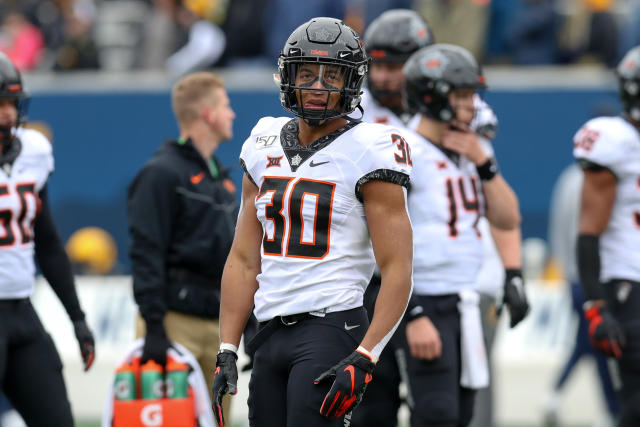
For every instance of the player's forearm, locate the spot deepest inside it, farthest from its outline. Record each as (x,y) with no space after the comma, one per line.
(390,305)
(509,246)
(239,284)
(503,211)
(53,260)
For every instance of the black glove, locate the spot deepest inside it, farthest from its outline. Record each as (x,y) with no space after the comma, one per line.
(156,344)
(350,378)
(225,381)
(86,343)
(604,331)
(514,297)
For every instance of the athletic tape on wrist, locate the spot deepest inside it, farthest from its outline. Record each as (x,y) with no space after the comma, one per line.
(227,346)
(367,353)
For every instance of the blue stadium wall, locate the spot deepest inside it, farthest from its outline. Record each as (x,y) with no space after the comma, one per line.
(102,139)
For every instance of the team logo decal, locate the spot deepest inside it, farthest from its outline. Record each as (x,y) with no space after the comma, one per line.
(296,160)
(434,64)
(273,161)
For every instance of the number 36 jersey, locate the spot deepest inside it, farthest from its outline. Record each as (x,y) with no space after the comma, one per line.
(445,204)
(613,143)
(316,251)
(20,182)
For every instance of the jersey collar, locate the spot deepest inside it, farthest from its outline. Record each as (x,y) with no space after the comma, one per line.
(298,154)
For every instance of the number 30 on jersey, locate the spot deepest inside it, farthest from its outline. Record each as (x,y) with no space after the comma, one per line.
(309,203)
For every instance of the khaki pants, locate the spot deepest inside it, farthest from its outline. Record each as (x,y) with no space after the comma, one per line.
(200,336)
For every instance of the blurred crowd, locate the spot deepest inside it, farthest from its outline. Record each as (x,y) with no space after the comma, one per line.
(178,36)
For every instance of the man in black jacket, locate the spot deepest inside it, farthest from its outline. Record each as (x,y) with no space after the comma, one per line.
(182,211)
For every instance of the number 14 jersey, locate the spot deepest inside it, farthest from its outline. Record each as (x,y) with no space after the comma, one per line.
(445,204)
(316,251)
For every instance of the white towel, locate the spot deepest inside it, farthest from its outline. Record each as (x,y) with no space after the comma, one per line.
(196,381)
(474,372)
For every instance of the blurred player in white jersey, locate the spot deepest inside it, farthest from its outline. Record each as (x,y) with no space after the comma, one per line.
(453,184)
(322,195)
(390,40)
(30,368)
(608,149)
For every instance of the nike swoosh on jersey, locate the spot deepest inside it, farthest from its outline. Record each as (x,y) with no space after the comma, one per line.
(313,165)
(349,327)
(196,179)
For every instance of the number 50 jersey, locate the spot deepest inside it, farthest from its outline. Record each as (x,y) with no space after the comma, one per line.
(316,251)
(20,182)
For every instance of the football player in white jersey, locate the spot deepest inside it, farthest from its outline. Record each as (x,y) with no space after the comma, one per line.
(321,196)
(390,40)
(455,184)
(608,246)
(30,368)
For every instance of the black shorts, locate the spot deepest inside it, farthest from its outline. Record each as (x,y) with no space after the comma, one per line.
(281,390)
(30,368)
(434,385)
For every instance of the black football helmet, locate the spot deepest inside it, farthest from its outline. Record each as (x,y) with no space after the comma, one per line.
(433,72)
(393,37)
(628,73)
(11,88)
(328,42)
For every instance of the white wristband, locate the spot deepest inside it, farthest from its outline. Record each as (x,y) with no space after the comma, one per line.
(227,346)
(367,353)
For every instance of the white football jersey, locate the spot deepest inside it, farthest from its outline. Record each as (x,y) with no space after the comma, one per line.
(19,187)
(376,113)
(445,204)
(316,251)
(614,143)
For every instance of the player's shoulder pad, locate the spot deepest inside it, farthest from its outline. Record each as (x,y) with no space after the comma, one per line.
(264,134)
(485,122)
(34,142)
(383,147)
(368,133)
(486,145)
(266,123)
(604,141)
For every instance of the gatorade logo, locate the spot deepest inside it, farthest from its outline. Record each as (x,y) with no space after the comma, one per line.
(123,389)
(151,415)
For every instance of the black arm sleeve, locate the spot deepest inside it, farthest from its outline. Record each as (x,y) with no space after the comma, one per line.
(53,260)
(588,248)
(150,207)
